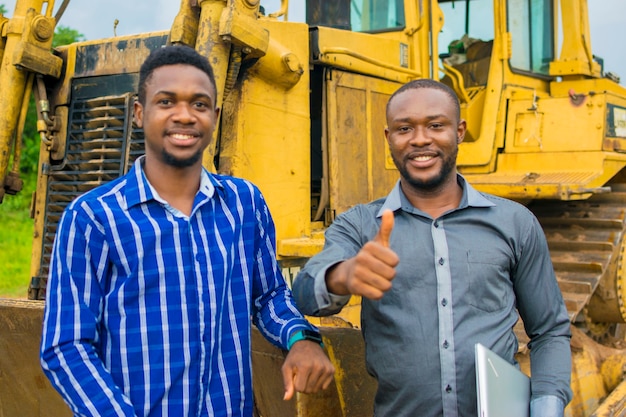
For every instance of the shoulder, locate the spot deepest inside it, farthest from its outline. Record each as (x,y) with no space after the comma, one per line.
(512,218)
(239,193)
(360,220)
(368,210)
(235,185)
(506,205)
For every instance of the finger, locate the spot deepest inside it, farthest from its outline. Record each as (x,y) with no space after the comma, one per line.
(289,375)
(386,226)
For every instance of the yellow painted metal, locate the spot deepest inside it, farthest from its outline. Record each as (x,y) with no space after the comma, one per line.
(24,389)
(597,370)
(478,156)
(184,28)
(356,139)
(217,49)
(266,137)
(614,405)
(27,38)
(360,53)
(280,65)
(244,30)
(576,60)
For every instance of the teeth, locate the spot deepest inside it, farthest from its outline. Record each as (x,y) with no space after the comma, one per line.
(422,158)
(180,136)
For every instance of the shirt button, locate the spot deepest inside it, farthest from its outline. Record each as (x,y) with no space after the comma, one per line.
(436,224)
(446,344)
(448,389)
(444,302)
(441,261)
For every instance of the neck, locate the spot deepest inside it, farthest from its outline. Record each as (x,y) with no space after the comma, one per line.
(177,186)
(437,201)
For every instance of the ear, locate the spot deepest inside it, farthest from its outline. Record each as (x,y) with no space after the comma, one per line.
(138,112)
(387,134)
(460,131)
(217,113)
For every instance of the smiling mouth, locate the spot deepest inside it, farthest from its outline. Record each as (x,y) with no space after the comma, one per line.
(422,158)
(180,136)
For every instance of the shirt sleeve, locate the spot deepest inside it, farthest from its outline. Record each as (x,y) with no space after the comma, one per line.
(542,309)
(342,242)
(547,406)
(275,313)
(71,319)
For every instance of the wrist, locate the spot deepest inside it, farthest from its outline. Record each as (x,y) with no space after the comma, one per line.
(336,279)
(306,334)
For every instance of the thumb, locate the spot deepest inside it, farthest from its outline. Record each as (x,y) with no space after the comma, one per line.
(386,226)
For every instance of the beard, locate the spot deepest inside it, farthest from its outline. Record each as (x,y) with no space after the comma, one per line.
(432,183)
(171,160)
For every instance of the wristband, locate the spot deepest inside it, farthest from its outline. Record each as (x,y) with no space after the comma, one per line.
(305,335)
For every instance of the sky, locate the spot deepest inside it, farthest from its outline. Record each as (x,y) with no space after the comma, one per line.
(95,19)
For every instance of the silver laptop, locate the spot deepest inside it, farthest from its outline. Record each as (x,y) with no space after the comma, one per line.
(502,389)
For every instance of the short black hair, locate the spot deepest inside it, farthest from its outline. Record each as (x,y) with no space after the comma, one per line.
(429,83)
(172,55)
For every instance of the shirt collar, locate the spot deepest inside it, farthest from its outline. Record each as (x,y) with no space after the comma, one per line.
(471,197)
(139,190)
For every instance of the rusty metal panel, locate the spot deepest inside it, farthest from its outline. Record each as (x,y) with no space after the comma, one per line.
(359,169)
(24,389)
(350,395)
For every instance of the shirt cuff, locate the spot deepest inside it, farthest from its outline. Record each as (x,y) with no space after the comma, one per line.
(547,406)
(326,300)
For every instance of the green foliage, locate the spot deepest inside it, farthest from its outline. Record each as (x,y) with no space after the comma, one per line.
(64,35)
(16,239)
(3,9)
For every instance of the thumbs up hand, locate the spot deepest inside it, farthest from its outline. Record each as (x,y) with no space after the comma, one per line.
(371,271)
(386,226)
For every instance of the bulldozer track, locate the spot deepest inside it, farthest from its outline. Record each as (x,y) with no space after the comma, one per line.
(585,240)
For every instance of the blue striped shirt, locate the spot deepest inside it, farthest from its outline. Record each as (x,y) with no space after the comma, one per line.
(148,311)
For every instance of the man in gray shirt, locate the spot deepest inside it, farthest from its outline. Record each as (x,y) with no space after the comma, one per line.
(441,267)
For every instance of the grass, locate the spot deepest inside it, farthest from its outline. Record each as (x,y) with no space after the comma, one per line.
(16,237)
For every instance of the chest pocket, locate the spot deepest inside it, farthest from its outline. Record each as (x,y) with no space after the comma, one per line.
(490,286)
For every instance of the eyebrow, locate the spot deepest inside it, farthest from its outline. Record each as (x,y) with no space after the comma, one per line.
(171,93)
(430,117)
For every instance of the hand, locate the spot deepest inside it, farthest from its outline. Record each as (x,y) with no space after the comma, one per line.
(371,271)
(306,369)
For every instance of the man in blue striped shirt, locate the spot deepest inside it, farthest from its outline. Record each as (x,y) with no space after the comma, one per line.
(155,276)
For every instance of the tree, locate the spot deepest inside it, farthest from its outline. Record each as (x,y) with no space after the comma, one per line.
(64,35)
(3,9)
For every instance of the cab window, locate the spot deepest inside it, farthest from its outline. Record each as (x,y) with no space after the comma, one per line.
(376,15)
(531,24)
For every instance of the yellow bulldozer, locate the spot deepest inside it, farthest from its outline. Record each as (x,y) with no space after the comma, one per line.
(303,118)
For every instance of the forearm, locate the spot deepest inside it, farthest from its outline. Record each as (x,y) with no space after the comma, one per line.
(70,327)
(79,376)
(312,295)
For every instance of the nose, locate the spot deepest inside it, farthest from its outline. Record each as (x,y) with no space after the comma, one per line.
(184,113)
(421,136)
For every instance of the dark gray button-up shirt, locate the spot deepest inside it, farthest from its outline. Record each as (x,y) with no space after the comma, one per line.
(460,279)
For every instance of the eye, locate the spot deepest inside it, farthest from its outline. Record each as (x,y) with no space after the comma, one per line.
(164,101)
(436,125)
(201,105)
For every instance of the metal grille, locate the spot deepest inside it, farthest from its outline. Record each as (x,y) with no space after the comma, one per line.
(102,144)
